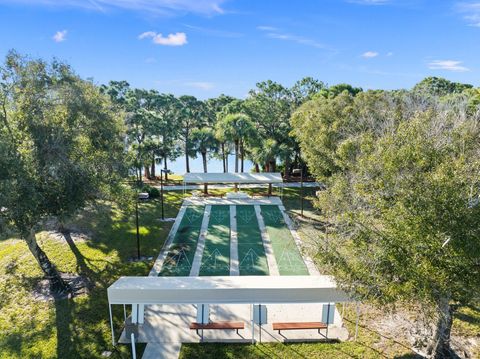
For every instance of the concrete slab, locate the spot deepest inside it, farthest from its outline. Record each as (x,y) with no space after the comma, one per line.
(170,324)
(201,201)
(162,351)
(220,186)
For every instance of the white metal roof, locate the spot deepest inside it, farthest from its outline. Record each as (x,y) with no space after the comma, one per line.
(225,290)
(265,177)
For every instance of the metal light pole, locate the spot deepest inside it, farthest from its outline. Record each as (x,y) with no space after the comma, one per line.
(301,187)
(161,191)
(138,230)
(296,171)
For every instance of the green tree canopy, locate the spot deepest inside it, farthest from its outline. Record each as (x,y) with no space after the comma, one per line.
(402,199)
(62,146)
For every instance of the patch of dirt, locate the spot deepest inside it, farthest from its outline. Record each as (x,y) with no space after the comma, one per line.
(81,285)
(77,237)
(410,328)
(142,259)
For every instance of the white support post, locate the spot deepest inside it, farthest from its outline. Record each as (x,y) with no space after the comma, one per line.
(253,326)
(134,313)
(141,313)
(134,352)
(358,317)
(111,323)
(124,314)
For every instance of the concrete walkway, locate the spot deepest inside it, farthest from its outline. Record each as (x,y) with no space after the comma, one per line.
(220,186)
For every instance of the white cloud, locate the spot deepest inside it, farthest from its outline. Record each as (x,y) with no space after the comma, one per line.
(447,65)
(389,54)
(370,54)
(202,85)
(370,2)
(156,7)
(274,33)
(266,28)
(471,12)
(60,36)
(176,39)
(150,60)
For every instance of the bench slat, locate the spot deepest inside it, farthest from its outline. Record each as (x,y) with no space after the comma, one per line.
(218,325)
(299,325)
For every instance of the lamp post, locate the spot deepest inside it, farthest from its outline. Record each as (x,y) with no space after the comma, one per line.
(162,171)
(136,222)
(296,171)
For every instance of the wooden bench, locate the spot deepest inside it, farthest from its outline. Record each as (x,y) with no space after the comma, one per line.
(218,326)
(300,326)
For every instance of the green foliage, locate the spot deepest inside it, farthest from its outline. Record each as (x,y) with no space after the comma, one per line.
(402,195)
(61,142)
(437,86)
(153,192)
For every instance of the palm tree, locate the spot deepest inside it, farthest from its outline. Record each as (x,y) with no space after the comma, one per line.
(204,141)
(237,128)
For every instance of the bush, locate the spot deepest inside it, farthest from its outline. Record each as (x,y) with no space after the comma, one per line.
(152,191)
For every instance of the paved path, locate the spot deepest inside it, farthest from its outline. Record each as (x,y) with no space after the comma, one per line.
(220,186)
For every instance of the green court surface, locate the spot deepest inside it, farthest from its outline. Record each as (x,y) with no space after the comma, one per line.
(288,258)
(251,253)
(216,252)
(182,250)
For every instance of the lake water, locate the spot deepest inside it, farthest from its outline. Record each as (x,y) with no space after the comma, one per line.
(213,165)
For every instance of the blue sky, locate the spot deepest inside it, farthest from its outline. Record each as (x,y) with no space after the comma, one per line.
(209,47)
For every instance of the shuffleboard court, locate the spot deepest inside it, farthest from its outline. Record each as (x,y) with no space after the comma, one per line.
(182,249)
(216,253)
(288,257)
(251,253)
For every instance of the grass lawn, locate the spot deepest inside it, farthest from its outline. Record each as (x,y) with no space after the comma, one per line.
(79,327)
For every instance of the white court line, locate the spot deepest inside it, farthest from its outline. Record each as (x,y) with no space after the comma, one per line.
(157,266)
(197,260)
(267,244)
(234,270)
(312,269)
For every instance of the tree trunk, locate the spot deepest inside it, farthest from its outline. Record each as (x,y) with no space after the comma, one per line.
(152,167)
(286,171)
(187,161)
(440,346)
(236,156)
(273,166)
(147,172)
(165,167)
(223,158)
(57,284)
(241,156)
(204,159)
(226,159)
(257,168)
(236,162)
